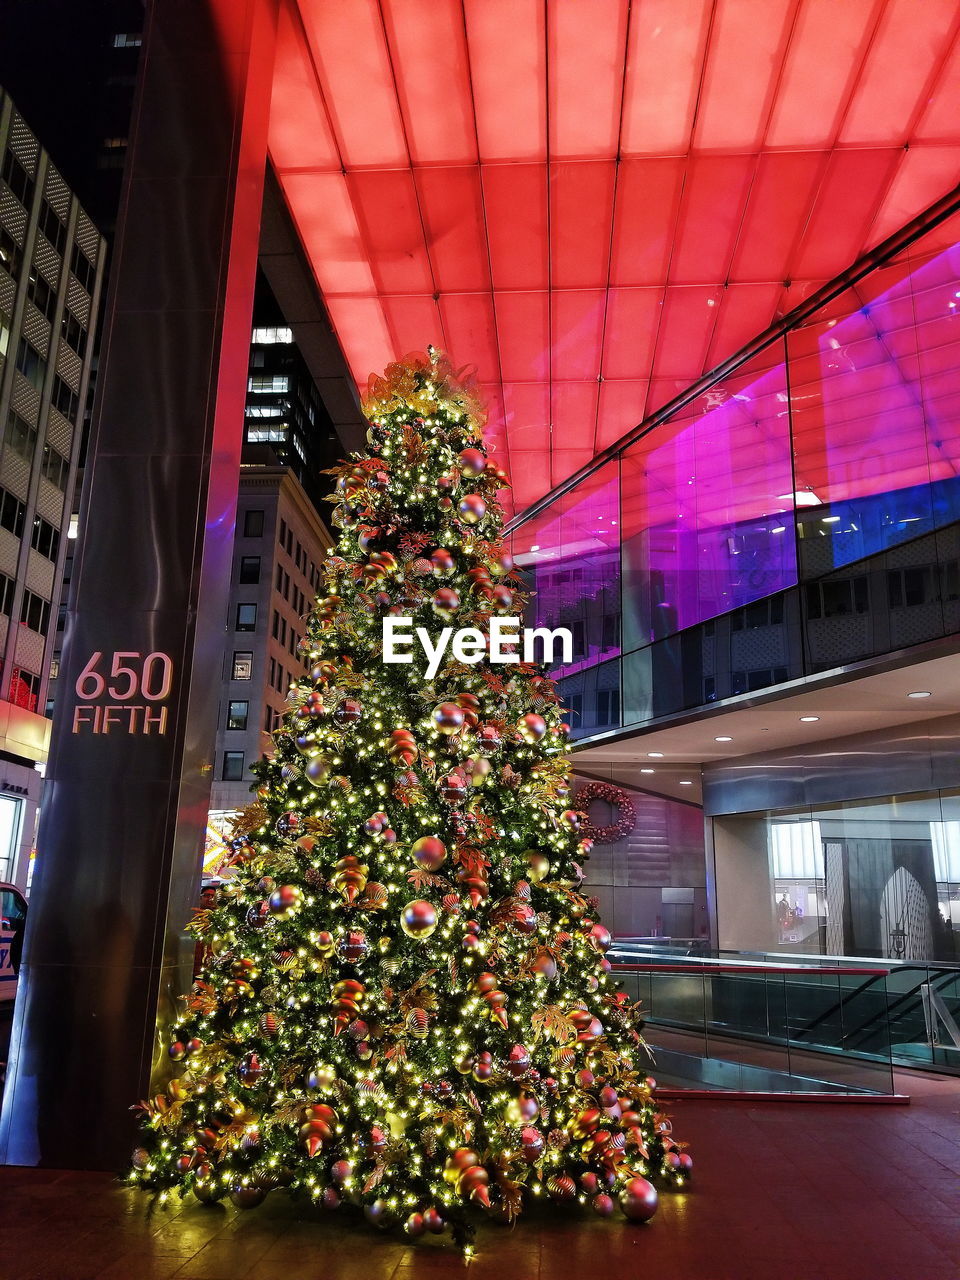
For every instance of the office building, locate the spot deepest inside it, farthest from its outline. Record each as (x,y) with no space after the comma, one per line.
(51,269)
(279,546)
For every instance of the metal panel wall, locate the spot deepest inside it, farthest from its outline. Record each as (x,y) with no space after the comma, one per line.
(124,814)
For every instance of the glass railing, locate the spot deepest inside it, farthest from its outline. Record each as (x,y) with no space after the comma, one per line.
(795,511)
(770,1030)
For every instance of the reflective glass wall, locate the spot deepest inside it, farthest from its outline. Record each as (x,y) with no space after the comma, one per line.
(802,513)
(876,878)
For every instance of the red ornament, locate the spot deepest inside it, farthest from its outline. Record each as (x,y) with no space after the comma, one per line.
(448,718)
(429,852)
(472,462)
(348,711)
(445,601)
(453,787)
(442,563)
(532,727)
(472,508)
(638,1200)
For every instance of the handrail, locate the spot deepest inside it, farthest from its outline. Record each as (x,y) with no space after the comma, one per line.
(699,966)
(925,221)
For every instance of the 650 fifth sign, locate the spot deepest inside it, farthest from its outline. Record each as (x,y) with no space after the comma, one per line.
(471,645)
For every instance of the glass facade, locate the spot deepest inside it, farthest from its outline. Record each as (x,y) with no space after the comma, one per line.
(801,513)
(872,878)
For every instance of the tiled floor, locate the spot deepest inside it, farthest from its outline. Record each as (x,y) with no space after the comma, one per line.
(782,1192)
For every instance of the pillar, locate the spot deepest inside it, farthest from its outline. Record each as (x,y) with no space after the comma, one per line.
(124,810)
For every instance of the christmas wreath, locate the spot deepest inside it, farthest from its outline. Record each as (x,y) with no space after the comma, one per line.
(619,800)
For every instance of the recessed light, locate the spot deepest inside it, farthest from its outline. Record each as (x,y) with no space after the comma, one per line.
(919,693)
(723,738)
(685,782)
(648,771)
(809,719)
(655,755)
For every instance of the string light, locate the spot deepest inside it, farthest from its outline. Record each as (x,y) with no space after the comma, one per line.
(424,1043)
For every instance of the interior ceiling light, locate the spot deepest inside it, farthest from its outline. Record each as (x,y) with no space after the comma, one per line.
(724,737)
(648,771)
(809,719)
(919,693)
(685,782)
(804,498)
(655,755)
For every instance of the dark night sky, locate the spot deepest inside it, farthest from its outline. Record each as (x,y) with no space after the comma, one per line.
(59,64)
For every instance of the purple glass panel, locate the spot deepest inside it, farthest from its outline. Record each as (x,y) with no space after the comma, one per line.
(571,557)
(874,395)
(707,507)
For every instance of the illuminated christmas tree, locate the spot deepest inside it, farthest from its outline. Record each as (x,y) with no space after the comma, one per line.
(404,1003)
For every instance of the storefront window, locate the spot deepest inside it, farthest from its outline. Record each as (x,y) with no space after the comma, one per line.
(875,878)
(9,834)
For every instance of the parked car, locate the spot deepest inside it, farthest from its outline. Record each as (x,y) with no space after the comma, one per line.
(13,918)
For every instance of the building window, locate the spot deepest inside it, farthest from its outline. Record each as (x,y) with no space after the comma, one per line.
(270,718)
(266,435)
(608,701)
(41,295)
(762,613)
(611,631)
(270,337)
(260,383)
(24,689)
(35,612)
(51,226)
(246,617)
(55,467)
(233,766)
(579,640)
(17,178)
(837,599)
(7,587)
(21,436)
(253,524)
(11,513)
(31,364)
(909,587)
(45,538)
(265,410)
(237,713)
(10,253)
(124,40)
(242,666)
(249,570)
(83,268)
(74,333)
(65,398)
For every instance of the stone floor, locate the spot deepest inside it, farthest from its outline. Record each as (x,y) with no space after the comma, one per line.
(782,1192)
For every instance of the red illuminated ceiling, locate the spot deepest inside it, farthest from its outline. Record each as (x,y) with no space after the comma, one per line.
(596,201)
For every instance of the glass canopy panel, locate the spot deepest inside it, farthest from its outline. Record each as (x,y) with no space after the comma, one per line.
(570,556)
(675,166)
(707,505)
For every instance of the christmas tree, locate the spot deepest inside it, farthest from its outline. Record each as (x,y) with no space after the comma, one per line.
(404,1003)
